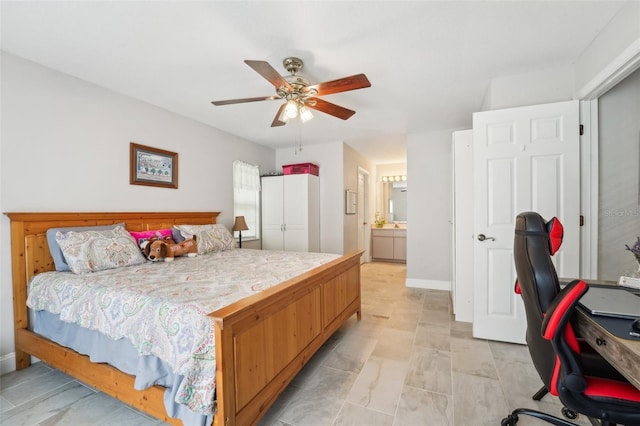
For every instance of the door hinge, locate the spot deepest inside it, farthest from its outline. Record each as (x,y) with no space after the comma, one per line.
(581,220)
(581,129)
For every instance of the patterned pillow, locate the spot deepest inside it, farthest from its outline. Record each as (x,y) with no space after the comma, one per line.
(91,251)
(215,237)
(143,236)
(54,248)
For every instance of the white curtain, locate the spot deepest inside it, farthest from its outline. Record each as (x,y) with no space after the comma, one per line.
(245,176)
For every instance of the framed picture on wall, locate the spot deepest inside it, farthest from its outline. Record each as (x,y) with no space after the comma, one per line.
(152,166)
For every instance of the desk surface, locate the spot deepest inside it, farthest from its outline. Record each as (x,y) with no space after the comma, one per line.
(623,354)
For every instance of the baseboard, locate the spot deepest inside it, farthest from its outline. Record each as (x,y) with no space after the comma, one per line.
(428,284)
(7,363)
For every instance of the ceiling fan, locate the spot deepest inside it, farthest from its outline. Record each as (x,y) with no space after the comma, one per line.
(299,94)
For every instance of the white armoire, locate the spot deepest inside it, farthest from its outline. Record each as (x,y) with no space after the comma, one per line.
(291,213)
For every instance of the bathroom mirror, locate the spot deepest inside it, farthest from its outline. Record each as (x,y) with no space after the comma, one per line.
(393,197)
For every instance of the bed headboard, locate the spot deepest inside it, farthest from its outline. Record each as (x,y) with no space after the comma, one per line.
(30,251)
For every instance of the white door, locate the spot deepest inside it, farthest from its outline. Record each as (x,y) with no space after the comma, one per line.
(362,213)
(296,212)
(462,212)
(525,159)
(272,213)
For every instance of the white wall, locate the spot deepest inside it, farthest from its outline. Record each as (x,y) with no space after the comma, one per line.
(428,210)
(65,147)
(351,161)
(616,44)
(329,157)
(535,87)
(394,169)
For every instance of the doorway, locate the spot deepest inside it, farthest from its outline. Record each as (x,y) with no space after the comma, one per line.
(362,213)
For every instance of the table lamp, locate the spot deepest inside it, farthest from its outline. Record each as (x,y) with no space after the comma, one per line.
(240,225)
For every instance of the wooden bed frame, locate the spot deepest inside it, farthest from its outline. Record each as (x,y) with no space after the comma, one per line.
(262,341)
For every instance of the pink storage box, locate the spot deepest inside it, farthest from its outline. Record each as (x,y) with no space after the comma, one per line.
(301,169)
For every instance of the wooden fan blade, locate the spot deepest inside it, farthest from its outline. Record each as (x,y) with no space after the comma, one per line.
(329,108)
(358,81)
(239,101)
(267,71)
(276,120)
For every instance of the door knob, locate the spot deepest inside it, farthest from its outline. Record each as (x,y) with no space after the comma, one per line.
(482,237)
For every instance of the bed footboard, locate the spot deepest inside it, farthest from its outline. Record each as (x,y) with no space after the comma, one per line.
(263,341)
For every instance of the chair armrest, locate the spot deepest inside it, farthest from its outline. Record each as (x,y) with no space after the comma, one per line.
(561,307)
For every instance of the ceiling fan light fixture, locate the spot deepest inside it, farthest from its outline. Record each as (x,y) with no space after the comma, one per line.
(305,114)
(297,92)
(291,110)
(283,117)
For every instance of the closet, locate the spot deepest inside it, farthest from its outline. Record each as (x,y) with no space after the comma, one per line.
(291,212)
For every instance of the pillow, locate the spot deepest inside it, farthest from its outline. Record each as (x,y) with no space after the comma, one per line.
(215,237)
(91,251)
(54,248)
(143,236)
(177,236)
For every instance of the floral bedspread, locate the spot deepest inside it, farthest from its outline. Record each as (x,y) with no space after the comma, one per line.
(162,307)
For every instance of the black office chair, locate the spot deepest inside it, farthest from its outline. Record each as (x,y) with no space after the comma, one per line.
(536,240)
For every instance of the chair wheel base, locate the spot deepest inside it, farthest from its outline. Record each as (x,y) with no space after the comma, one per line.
(513,418)
(510,420)
(570,414)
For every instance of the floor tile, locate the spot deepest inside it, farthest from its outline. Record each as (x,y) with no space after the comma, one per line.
(25,390)
(98,410)
(351,353)
(481,363)
(379,384)
(394,344)
(477,400)
(16,377)
(420,407)
(45,406)
(437,318)
(430,370)
(320,401)
(461,330)
(433,336)
(5,405)
(355,415)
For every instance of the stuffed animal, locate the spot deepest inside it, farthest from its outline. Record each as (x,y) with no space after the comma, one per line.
(145,245)
(157,249)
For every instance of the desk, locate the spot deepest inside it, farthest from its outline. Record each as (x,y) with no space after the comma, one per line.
(622,354)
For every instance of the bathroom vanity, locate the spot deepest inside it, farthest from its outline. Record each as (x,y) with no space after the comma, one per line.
(389,243)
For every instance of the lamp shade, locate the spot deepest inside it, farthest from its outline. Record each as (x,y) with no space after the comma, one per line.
(240,224)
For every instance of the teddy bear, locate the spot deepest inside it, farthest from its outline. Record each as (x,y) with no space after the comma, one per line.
(166,248)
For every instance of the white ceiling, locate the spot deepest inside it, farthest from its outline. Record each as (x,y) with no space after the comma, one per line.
(429,62)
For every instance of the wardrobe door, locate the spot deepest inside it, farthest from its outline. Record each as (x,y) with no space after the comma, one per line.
(272,213)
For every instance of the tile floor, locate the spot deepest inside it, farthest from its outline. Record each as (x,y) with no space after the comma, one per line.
(407,362)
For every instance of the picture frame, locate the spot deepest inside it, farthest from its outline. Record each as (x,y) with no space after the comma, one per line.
(351,201)
(152,166)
